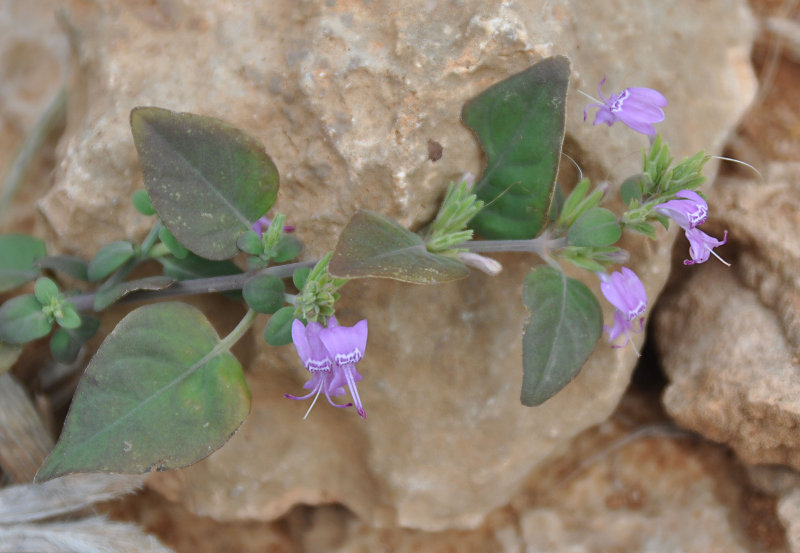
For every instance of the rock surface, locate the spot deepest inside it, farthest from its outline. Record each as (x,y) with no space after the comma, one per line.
(346,99)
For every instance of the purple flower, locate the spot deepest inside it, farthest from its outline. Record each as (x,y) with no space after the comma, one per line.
(626,292)
(330,355)
(263,224)
(689,211)
(637,107)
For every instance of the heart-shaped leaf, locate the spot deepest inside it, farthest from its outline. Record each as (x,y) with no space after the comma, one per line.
(520,125)
(372,245)
(208,180)
(565,323)
(18,254)
(156,396)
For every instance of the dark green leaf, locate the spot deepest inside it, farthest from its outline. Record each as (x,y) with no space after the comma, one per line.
(65,344)
(45,290)
(110,258)
(288,248)
(278,331)
(172,244)
(299,277)
(156,396)
(249,242)
(111,292)
(193,266)
(565,323)
(67,264)
(520,125)
(596,227)
(264,293)
(372,245)
(22,320)
(631,189)
(208,180)
(141,202)
(18,254)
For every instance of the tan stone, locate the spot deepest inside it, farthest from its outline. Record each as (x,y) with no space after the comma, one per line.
(345,98)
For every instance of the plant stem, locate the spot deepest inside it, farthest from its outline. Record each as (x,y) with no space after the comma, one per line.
(541,246)
(235,335)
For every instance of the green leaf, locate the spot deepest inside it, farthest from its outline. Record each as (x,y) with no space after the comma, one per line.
(22,320)
(192,266)
(287,249)
(65,344)
(372,245)
(596,227)
(249,242)
(264,293)
(172,244)
(111,292)
(67,264)
(300,276)
(520,124)
(565,323)
(110,258)
(45,290)
(156,396)
(141,202)
(18,254)
(631,190)
(69,317)
(208,180)
(278,331)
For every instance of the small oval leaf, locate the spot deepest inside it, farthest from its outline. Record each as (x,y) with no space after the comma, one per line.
(110,258)
(22,320)
(264,293)
(18,254)
(564,326)
(172,244)
(67,264)
(278,331)
(372,245)
(208,180)
(597,227)
(65,344)
(155,397)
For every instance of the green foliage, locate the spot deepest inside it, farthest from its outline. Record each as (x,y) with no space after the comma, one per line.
(520,124)
(449,227)
(65,344)
(22,320)
(113,290)
(69,265)
(278,331)
(141,201)
(372,245)
(319,293)
(565,323)
(193,266)
(18,256)
(595,227)
(172,244)
(110,258)
(264,293)
(577,203)
(208,180)
(300,276)
(159,394)
(249,242)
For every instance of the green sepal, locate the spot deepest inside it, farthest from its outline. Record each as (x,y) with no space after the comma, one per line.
(264,293)
(141,202)
(172,244)
(22,320)
(110,258)
(278,331)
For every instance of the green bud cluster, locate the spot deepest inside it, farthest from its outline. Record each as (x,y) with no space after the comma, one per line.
(449,227)
(318,293)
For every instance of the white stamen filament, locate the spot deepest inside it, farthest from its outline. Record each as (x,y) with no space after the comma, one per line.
(718,257)
(591,97)
(319,389)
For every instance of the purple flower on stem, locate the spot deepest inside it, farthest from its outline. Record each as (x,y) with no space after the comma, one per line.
(626,293)
(330,355)
(689,211)
(263,224)
(637,107)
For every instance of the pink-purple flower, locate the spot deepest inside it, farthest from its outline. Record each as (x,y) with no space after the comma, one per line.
(263,223)
(637,107)
(626,293)
(689,211)
(330,354)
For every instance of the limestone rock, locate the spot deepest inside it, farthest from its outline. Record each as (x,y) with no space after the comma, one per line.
(346,98)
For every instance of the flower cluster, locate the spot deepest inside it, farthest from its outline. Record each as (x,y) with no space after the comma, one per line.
(637,107)
(626,293)
(689,211)
(330,354)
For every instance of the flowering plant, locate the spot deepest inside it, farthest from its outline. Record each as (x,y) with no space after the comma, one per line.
(209,187)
